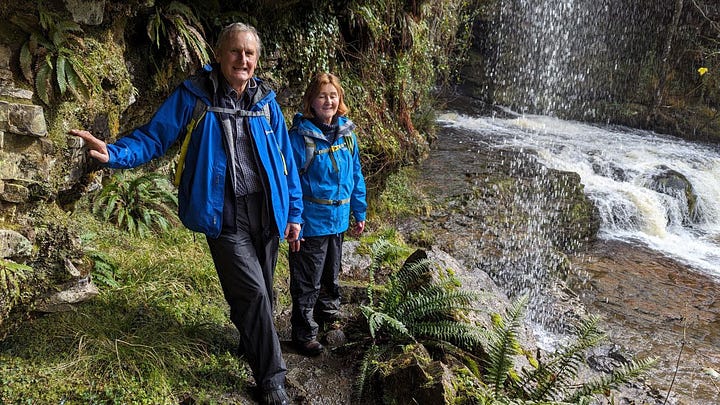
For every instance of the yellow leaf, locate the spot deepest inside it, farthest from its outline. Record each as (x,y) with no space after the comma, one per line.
(702,70)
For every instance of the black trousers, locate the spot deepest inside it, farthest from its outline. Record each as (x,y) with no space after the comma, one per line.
(314,284)
(245,262)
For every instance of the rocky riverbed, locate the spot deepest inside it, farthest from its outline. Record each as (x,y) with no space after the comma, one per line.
(655,306)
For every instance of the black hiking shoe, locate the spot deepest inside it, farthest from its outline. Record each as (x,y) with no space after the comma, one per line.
(276,396)
(310,348)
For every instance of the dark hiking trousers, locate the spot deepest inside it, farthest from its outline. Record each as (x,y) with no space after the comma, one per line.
(314,285)
(245,262)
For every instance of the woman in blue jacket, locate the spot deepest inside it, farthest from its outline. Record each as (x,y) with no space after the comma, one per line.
(239,186)
(325,151)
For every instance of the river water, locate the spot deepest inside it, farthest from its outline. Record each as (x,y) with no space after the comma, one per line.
(654,272)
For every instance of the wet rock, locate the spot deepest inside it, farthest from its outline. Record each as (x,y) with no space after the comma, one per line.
(89,12)
(674,184)
(24,119)
(70,294)
(354,265)
(413,378)
(335,338)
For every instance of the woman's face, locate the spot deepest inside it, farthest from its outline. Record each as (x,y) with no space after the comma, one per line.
(238,57)
(325,104)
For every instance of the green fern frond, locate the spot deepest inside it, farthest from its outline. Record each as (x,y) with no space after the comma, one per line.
(61,76)
(26,62)
(438,305)
(463,335)
(622,375)
(140,204)
(378,321)
(368,368)
(554,376)
(412,274)
(503,344)
(378,251)
(43,81)
(104,269)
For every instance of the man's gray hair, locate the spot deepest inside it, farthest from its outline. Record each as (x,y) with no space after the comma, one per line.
(241,27)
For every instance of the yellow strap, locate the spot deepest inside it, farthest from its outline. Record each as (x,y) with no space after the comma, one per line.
(183,149)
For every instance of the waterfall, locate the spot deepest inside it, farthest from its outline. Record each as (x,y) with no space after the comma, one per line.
(652,189)
(570,58)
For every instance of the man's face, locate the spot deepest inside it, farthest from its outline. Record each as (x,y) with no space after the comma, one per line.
(238,56)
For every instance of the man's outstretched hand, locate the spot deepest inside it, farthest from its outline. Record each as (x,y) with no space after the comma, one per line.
(97,148)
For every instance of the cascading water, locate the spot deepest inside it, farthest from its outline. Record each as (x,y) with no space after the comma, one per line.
(648,188)
(570,57)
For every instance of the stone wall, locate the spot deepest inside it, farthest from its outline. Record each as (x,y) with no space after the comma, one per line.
(38,262)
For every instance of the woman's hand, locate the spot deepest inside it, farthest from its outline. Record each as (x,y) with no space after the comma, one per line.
(98,148)
(292,232)
(358,228)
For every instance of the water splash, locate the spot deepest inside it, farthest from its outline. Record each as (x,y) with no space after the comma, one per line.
(570,57)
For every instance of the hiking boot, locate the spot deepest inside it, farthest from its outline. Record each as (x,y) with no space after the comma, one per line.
(276,396)
(310,348)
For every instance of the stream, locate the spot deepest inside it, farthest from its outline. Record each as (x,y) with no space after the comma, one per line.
(652,274)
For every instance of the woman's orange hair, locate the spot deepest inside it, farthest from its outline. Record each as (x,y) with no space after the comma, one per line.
(313,90)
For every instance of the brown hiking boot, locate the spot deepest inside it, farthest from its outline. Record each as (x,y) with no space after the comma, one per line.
(310,348)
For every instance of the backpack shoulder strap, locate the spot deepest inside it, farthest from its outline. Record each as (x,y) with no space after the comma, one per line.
(309,153)
(350,142)
(265,112)
(198,114)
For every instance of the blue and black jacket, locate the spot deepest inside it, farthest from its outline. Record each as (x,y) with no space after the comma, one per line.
(202,186)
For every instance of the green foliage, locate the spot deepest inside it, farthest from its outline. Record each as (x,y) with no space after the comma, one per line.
(417,306)
(138,204)
(503,344)
(175,27)
(552,379)
(12,276)
(52,57)
(405,52)
(104,269)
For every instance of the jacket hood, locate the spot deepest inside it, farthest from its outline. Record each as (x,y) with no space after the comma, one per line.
(305,127)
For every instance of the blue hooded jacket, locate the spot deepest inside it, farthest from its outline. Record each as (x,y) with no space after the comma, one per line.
(334,175)
(202,186)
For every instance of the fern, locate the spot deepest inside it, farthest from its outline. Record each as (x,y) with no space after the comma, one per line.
(176,26)
(368,368)
(503,344)
(554,376)
(552,380)
(415,307)
(622,375)
(379,320)
(51,57)
(104,269)
(462,334)
(140,205)
(12,277)
(379,251)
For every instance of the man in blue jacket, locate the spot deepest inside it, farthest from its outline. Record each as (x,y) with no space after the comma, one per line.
(239,186)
